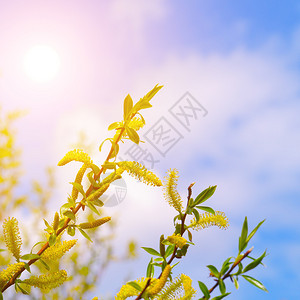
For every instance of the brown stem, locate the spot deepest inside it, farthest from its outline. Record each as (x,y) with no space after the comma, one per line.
(77,208)
(230,270)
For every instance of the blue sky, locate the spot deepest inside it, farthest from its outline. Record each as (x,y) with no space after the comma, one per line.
(239,60)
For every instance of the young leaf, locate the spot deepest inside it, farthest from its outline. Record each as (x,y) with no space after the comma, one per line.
(128,104)
(44,264)
(69,214)
(213,270)
(243,237)
(135,285)
(204,289)
(132,134)
(150,269)
(52,239)
(93,208)
(222,286)
(85,234)
(236,283)
(79,188)
(71,230)
(114,125)
(151,251)
(206,208)
(169,250)
(225,266)
(254,231)
(254,263)
(221,297)
(196,214)
(205,195)
(255,282)
(30,256)
(1,296)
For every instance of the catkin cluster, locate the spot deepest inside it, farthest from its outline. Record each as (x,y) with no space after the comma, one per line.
(138,171)
(207,219)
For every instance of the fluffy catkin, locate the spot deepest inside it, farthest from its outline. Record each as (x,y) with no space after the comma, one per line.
(138,171)
(75,155)
(171,194)
(207,219)
(57,250)
(94,224)
(12,236)
(78,179)
(48,281)
(9,272)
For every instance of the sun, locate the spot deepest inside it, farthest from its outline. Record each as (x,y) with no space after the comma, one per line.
(41,63)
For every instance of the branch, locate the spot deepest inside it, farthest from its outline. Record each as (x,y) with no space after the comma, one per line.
(230,270)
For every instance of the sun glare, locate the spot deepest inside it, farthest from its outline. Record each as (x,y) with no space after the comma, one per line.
(41,63)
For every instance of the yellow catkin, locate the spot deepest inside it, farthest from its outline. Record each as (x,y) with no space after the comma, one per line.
(55,221)
(12,236)
(158,286)
(138,171)
(98,193)
(78,179)
(57,250)
(179,288)
(178,240)
(129,291)
(75,155)
(208,219)
(48,281)
(171,194)
(94,224)
(9,272)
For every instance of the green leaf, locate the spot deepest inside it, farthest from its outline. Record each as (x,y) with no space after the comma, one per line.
(170,250)
(1,296)
(196,214)
(93,208)
(47,224)
(225,265)
(254,263)
(243,237)
(30,256)
(128,104)
(236,283)
(135,285)
(150,269)
(18,287)
(98,202)
(221,297)
(206,208)
(205,195)
(222,286)
(71,230)
(85,234)
(52,239)
(204,289)
(132,134)
(44,264)
(213,270)
(151,251)
(254,231)
(69,214)
(255,282)
(27,267)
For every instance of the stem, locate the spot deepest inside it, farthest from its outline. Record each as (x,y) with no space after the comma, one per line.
(182,230)
(67,221)
(230,270)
